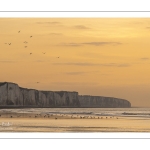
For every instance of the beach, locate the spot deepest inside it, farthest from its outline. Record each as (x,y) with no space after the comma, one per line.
(44,120)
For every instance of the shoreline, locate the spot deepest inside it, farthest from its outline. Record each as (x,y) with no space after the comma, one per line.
(74,120)
(74,125)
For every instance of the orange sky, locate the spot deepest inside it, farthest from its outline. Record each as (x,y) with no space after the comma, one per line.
(97,56)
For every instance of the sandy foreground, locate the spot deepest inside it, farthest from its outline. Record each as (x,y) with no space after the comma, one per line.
(37,122)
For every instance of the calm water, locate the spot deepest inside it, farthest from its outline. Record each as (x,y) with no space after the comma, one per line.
(128,120)
(132,112)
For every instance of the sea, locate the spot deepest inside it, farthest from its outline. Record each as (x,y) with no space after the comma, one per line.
(124,112)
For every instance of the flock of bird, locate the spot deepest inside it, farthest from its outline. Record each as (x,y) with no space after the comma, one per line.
(56,116)
(25,42)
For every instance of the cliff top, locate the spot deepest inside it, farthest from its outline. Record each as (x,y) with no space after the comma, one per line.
(2,83)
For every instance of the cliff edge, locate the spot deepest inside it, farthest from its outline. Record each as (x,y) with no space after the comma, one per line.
(11,95)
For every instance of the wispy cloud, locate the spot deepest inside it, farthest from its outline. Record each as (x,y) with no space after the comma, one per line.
(89,43)
(7,61)
(79,73)
(70,44)
(124,65)
(74,83)
(98,64)
(76,64)
(50,22)
(145,58)
(75,73)
(39,61)
(101,43)
(55,34)
(81,27)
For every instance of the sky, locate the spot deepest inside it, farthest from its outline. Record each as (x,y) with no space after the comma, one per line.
(93,56)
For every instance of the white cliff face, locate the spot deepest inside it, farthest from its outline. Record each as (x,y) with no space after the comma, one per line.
(3,94)
(104,102)
(13,95)
(10,94)
(64,98)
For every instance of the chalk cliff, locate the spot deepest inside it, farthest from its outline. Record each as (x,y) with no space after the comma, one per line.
(102,102)
(14,96)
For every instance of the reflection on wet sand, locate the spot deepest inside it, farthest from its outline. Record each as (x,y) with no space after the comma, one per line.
(44,120)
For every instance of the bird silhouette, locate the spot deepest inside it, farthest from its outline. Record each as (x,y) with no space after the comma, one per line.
(18,31)
(25,46)
(57,57)
(25,42)
(30,53)
(9,43)
(30,36)
(43,53)
(37,82)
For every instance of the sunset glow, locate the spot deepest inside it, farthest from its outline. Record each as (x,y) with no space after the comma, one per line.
(94,56)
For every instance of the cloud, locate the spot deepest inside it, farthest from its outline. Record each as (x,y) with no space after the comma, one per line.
(115,65)
(50,22)
(89,43)
(101,43)
(55,34)
(76,64)
(99,64)
(61,83)
(75,73)
(124,65)
(70,44)
(145,58)
(39,61)
(7,61)
(80,73)
(81,27)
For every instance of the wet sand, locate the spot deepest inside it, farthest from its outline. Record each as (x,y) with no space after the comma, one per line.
(48,122)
